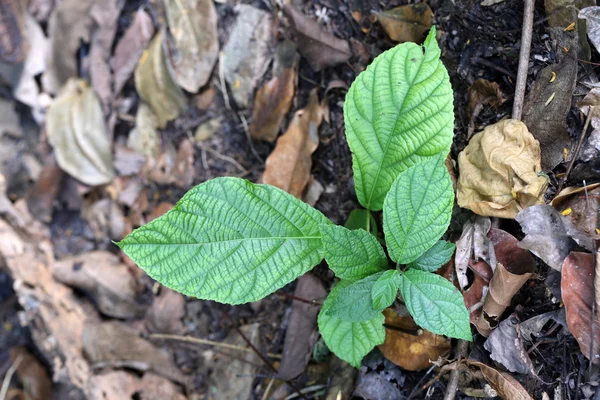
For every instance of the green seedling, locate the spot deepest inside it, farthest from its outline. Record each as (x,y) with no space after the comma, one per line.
(233,241)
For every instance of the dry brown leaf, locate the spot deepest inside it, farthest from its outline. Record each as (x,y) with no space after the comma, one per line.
(113,385)
(288,166)
(274,99)
(106,280)
(155,387)
(77,131)
(320,48)
(407,23)
(408,351)
(573,203)
(506,347)
(505,385)
(130,48)
(484,92)
(577,288)
(499,171)
(155,85)
(32,374)
(204,99)
(41,196)
(192,43)
(166,313)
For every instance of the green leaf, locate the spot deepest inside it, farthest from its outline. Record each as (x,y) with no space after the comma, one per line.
(355,302)
(397,113)
(350,341)
(435,257)
(417,209)
(352,255)
(362,219)
(229,240)
(385,289)
(435,304)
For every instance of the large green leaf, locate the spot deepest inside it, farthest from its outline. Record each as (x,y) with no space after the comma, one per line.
(352,254)
(435,304)
(438,255)
(229,240)
(385,289)
(417,209)
(354,302)
(350,341)
(398,112)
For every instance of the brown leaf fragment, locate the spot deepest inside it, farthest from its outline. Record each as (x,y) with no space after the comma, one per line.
(505,385)
(166,313)
(301,335)
(106,280)
(192,43)
(411,352)
(41,196)
(130,48)
(484,92)
(288,166)
(407,23)
(320,48)
(505,345)
(499,171)
(274,99)
(577,287)
(155,387)
(32,374)
(582,214)
(113,385)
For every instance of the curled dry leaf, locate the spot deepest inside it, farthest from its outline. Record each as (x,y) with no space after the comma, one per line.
(499,171)
(407,23)
(247,52)
(583,215)
(130,47)
(288,166)
(484,92)
(472,245)
(577,287)
(409,351)
(77,131)
(32,374)
(274,99)
(514,266)
(320,48)
(155,85)
(144,138)
(192,42)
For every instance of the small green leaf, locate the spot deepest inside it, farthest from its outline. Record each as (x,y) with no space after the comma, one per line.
(435,304)
(362,219)
(398,112)
(350,341)
(355,302)
(435,257)
(417,209)
(229,240)
(385,289)
(352,255)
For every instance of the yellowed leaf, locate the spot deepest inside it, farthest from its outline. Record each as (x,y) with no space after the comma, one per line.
(407,23)
(501,160)
(288,167)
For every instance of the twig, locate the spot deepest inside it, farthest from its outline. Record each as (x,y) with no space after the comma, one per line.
(222,157)
(523,59)
(222,80)
(249,137)
(576,152)
(268,389)
(461,351)
(293,297)
(8,377)
(417,389)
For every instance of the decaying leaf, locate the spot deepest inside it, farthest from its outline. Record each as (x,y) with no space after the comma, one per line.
(505,385)
(582,214)
(484,92)
(32,374)
(166,313)
(409,351)
(76,129)
(499,171)
(130,48)
(514,266)
(155,85)
(247,52)
(274,99)
(473,244)
(288,166)
(192,43)
(505,345)
(592,16)
(577,287)
(14,46)
(590,105)
(320,48)
(155,387)
(206,129)
(69,25)
(106,280)
(113,385)
(41,196)
(407,23)
(144,138)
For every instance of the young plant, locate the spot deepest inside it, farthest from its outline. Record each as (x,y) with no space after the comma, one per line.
(234,242)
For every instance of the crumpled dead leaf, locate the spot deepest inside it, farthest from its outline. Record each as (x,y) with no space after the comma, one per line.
(408,351)
(320,48)
(473,245)
(106,280)
(273,100)
(514,266)
(144,138)
(484,92)
(166,313)
(192,42)
(288,166)
(247,52)
(573,204)
(506,347)
(155,85)
(407,23)
(77,131)
(577,287)
(130,48)
(32,374)
(499,171)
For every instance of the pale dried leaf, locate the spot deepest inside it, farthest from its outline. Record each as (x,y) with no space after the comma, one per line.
(407,23)
(113,385)
(473,244)
(592,16)
(155,387)
(499,171)
(76,129)
(144,138)
(166,313)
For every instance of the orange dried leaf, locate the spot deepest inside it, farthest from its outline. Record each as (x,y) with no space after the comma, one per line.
(407,23)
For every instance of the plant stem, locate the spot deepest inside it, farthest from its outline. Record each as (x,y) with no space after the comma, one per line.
(526,36)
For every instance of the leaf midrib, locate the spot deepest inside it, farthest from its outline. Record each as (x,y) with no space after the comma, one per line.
(227,241)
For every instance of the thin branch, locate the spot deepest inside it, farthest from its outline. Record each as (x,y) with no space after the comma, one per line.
(523,59)
(8,377)
(576,152)
(461,351)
